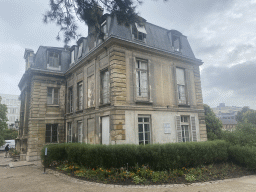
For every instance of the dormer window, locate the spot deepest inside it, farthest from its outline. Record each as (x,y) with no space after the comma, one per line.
(176,43)
(72,56)
(139,32)
(53,61)
(80,50)
(104,27)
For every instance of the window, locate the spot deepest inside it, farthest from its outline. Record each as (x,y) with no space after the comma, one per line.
(144,129)
(69,133)
(51,134)
(90,91)
(139,32)
(80,50)
(52,96)
(70,99)
(72,56)
(186,128)
(176,43)
(104,27)
(80,96)
(181,88)
(142,78)
(53,59)
(80,131)
(105,86)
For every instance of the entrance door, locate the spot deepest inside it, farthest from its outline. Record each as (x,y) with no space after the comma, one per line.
(105,130)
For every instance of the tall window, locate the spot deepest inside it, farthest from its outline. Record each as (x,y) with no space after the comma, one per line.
(144,129)
(181,88)
(176,43)
(80,50)
(105,87)
(72,56)
(80,131)
(142,78)
(70,99)
(53,59)
(51,134)
(139,32)
(185,133)
(80,96)
(69,133)
(52,96)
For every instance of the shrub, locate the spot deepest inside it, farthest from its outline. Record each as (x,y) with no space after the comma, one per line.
(157,156)
(243,155)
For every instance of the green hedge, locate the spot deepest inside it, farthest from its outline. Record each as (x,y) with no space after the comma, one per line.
(157,156)
(243,155)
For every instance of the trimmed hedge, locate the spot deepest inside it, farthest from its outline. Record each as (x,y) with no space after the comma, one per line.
(157,156)
(243,155)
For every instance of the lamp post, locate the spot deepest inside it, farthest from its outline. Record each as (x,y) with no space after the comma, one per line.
(17,124)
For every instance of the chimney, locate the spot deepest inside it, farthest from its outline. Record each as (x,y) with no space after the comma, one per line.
(29,58)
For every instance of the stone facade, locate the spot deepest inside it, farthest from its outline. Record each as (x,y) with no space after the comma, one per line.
(125,89)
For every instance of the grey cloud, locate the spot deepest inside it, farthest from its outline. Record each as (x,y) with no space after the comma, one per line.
(239,78)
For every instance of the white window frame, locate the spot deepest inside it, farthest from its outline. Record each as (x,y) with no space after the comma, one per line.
(51,60)
(51,127)
(181,86)
(80,131)
(70,99)
(185,128)
(69,132)
(54,91)
(140,93)
(72,56)
(80,50)
(143,131)
(105,90)
(80,95)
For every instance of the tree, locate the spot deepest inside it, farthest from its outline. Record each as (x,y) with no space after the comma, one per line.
(213,124)
(66,13)
(3,120)
(240,114)
(10,134)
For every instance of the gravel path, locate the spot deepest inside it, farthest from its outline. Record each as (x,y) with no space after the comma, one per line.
(31,178)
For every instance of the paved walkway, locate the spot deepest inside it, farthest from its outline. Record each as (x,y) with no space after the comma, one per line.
(29,176)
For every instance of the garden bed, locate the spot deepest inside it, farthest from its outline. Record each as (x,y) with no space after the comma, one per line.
(145,176)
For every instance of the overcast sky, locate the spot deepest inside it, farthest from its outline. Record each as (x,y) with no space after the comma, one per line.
(221,34)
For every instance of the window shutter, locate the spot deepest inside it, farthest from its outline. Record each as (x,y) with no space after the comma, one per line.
(193,128)
(178,129)
(144,84)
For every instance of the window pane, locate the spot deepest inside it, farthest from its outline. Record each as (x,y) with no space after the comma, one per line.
(146,126)
(146,119)
(105,86)
(141,137)
(140,127)
(144,83)
(147,136)
(146,142)
(143,65)
(49,96)
(180,74)
(140,119)
(56,96)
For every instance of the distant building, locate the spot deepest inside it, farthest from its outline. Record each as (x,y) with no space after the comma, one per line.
(227,115)
(13,108)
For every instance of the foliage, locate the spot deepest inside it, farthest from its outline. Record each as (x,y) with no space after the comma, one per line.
(243,155)
(159,157)
(3,120)
(10,134)
(66,12)
(144,175)
(240,114)
(244,135)
(213,124)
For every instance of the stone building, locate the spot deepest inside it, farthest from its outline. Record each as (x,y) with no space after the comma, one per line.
(138,85)
(13,109)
